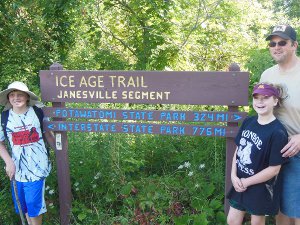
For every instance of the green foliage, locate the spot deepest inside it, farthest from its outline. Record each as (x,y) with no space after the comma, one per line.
(5,197)
(259,61)
(126,188)
(108,189)
(290,7)
(34,34)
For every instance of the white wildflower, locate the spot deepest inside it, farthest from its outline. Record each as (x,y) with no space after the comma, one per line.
(76,184)
(51,192)
(187,164)
(94,186)
(97,176)
(190,174)
(180,167)
(201,166)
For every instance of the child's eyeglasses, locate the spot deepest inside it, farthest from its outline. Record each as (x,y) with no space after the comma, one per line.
(272,44)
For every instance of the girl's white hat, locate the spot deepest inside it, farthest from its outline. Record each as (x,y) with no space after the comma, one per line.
(20,86)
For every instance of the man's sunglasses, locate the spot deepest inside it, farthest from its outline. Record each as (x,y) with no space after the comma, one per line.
(272,44)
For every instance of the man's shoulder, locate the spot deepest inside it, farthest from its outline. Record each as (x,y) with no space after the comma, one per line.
(271,69)
(269,73)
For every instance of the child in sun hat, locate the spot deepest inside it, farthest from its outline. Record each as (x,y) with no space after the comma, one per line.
(28,164)
(257,160)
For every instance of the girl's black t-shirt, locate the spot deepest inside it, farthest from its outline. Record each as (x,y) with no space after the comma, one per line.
(258,148)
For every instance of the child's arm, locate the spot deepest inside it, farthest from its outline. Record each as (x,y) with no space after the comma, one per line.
(236,182)
(9,164)
(262,176)
(50,139)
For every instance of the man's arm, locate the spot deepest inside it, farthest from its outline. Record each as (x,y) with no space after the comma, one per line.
(9,164)
(292,148)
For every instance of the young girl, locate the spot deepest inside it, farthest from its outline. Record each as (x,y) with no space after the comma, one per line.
(257,160)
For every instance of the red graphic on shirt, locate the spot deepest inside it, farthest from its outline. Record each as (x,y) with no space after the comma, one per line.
(25,137)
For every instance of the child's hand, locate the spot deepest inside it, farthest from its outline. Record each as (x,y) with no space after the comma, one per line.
(237,184)
(10,169)
(244,182)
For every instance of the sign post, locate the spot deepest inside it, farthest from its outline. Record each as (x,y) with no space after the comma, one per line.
(140,87)
(62,161)
(230,145)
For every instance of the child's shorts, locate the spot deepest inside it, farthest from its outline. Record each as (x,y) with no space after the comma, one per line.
(31,197)
(240,207)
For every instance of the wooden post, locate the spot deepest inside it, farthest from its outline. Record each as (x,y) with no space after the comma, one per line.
(230,146)
(62,161)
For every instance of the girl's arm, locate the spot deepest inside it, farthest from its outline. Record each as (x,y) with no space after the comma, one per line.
(236,182)
(262,176)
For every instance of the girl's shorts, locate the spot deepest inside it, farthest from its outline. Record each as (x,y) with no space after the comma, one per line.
(240,207)
(31,197)
(290,197)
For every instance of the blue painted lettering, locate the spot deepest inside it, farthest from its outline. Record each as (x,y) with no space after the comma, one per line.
(137,128)
(176,116)
(220,131)
(174,130)
(209,131)
(222,117)
(62,126)
(137,115)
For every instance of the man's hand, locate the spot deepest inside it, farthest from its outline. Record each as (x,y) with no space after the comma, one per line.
(292,148)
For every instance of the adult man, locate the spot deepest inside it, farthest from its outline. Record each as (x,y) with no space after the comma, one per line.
(283,47)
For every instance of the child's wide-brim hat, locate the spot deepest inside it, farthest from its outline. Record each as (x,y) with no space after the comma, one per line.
(18,86)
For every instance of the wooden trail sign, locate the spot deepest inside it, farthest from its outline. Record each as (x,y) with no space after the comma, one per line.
(150,87)
(159,87)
